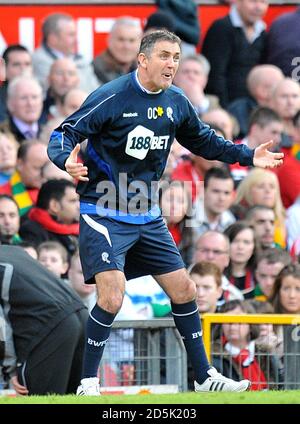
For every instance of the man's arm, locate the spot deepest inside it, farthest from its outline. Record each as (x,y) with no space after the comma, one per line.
(76,128)
(201,140)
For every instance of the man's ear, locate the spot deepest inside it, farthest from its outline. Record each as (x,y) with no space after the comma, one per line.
(53,207)
(142,60)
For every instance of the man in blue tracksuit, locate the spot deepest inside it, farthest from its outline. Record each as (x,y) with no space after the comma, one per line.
(130,124)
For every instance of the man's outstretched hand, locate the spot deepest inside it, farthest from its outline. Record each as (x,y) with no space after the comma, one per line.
(263,158)
(75,169)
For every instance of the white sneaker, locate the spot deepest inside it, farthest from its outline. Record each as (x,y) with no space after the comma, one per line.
(218,383)
(88,387)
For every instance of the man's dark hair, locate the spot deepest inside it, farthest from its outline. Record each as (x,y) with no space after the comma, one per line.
(25,146)
(250,212)
(219,173)
(273,255)
(207,268)
(149,40)
(7,197)
(160,20)
(52,189)
(13,48)
(263,116)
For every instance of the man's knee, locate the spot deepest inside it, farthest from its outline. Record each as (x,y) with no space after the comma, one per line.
(110,289)
(187,292)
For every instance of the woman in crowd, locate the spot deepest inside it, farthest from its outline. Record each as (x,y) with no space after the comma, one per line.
(260,187)
(242,251)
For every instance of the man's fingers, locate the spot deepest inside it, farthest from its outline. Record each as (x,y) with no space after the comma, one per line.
(74,153)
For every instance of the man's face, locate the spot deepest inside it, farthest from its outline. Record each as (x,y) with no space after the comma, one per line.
(218,195)
(66,37)
(30,167)
(53,261)
(18,63)
(252,10)
(208,292)
(63,77)
(271,131)
(263,223)
(191,72)
(286,99)
(212,248)
(68,207)
(265,275)
(9,218)
(27,102)
(161,66)
(77,280)
(124,43)
(8,154)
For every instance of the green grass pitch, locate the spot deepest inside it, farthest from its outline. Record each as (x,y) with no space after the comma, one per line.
(268,397)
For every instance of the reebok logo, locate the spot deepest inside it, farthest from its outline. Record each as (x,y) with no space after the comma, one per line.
(97,344)
(130,115)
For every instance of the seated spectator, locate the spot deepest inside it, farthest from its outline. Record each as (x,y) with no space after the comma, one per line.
(212,210)
(283,41)
(237,355)
(26,181)
(286,300)
(51,172)
(87,292)
(45,327)
(55,217)
(177,153)
(288,173)
(24,104)
(9,220)
(187,27)
(72,101)
(192,169)
(59,39)
(176,209)
(262,219)
(261,82)
(208,279)
(53,256)
(8,156)
(286,103)
(191,77)
(213,247)
(264,125)
(122,48)
(267,339)
(268,265)
(233,45)
(220,118)
(159,20)
(261,187)
(17,61)
(29,248)
(286,293)
(242,255)
(62,78)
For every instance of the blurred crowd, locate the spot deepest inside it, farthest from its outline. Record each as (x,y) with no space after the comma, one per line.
(237,228)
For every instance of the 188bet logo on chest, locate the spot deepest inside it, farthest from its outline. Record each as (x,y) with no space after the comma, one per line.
(141,140)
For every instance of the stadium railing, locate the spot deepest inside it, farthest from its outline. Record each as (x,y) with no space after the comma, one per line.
(144,352)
